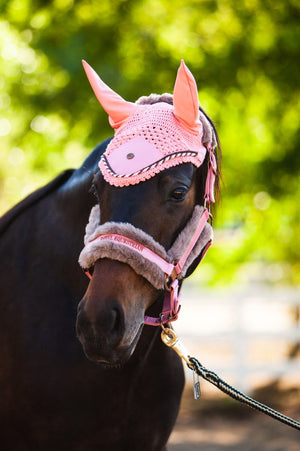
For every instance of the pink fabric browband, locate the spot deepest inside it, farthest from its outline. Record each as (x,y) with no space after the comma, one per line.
(126,243)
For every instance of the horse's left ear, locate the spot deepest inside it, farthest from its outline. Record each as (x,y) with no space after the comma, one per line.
(185,99)
(116,107)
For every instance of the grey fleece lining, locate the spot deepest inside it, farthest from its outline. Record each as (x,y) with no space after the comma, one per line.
(116,251)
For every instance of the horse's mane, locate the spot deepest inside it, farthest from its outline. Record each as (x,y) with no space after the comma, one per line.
(209,130)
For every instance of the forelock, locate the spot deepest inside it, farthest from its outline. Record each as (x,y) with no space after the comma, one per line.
(155,98)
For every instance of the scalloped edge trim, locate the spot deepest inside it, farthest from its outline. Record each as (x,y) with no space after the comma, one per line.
(148,172)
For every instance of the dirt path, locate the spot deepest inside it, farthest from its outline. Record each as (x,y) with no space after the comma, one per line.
(219,424)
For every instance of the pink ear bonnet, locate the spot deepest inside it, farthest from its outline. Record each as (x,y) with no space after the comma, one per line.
(152,137)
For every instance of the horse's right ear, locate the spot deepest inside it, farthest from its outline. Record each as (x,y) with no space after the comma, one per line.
(116,107)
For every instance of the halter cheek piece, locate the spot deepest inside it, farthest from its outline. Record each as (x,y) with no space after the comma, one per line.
(163,269)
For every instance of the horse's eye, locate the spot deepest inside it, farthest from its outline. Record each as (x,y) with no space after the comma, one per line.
(179,193)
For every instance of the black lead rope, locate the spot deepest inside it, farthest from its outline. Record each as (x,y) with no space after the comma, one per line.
(214,379)
(170,339)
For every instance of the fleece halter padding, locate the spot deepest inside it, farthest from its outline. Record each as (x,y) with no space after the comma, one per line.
(97,248)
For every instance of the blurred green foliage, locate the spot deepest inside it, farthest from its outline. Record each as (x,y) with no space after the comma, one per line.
(245,57)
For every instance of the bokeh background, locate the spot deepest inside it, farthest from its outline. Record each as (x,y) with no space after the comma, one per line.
(245,58)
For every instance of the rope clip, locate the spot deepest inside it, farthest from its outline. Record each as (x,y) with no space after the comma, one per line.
(169,338)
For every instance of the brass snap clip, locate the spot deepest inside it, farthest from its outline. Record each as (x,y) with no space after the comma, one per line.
(169,338)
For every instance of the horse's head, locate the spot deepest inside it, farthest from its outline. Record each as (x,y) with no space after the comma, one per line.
(150,206)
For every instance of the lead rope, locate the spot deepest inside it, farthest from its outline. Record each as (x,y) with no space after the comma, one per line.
(170,339)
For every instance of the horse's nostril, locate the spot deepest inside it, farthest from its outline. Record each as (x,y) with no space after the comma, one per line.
(116,324)
(101,327)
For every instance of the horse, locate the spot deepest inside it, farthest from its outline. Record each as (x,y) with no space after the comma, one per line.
(80,369)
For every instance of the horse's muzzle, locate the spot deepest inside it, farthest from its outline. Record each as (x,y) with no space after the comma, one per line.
(101,336)
(111,314)
(102,340)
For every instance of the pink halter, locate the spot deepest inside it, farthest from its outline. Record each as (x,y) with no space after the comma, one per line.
(150,138)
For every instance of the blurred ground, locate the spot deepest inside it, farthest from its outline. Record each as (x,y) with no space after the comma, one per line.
(217,423)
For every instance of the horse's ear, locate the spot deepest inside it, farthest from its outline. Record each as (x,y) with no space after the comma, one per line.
(116,107)
(185,99)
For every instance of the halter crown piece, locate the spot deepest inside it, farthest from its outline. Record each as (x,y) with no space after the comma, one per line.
(150,138)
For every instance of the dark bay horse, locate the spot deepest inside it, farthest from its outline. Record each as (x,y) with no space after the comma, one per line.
(51,395)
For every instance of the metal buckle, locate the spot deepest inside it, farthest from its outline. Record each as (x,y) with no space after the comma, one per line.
(168,280)
(161,322)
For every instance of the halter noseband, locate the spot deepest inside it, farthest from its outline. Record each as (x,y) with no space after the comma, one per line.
(124,248)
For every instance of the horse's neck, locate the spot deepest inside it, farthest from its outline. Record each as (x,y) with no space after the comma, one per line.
(45,231)
(73,201)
